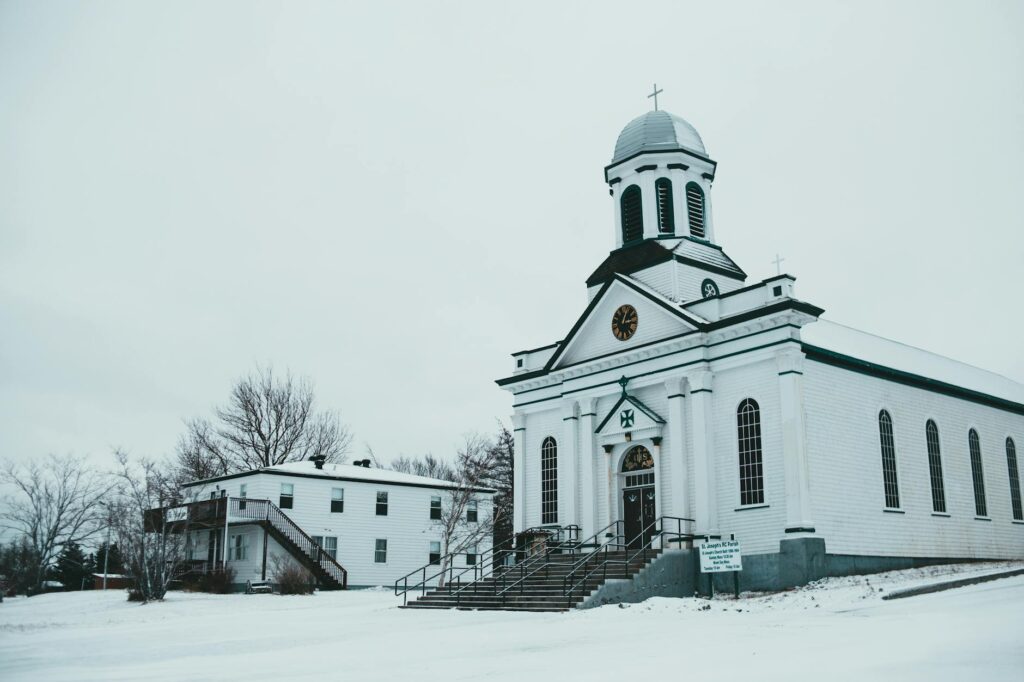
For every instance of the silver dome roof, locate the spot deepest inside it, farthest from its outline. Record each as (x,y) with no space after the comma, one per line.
(657,131)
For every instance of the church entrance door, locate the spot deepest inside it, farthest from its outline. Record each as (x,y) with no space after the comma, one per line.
(638,515)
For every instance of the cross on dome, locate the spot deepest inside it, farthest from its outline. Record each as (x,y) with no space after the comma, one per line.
(655,96)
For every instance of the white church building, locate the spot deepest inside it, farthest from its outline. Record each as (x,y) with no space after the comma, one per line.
(685,391)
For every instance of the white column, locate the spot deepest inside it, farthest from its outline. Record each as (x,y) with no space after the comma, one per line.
(794,442)
(658,484)
(518,473)
(588,502)
(568,452)
(676,389)
(607,485)
(704,497)
(645,181)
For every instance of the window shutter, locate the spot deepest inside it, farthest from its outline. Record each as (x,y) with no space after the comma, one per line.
(695,208)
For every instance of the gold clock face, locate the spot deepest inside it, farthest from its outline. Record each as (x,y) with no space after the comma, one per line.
(624,322)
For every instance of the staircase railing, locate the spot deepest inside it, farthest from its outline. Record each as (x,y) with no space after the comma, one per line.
(268,512)
(599,560)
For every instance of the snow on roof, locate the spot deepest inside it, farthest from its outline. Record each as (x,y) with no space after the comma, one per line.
(348,472)
(109,575)
(894,355)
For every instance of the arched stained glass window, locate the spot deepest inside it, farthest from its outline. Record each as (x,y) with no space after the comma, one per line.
(1011,466)
(695,209)
(748,423)
(888,443)
(549,481)
(632,215)
(931,432)
(666,213)
(977,473)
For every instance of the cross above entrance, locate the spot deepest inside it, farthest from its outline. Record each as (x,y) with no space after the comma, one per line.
(622,382)
(655,96)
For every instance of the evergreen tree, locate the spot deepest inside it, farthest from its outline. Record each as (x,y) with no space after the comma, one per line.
(500,479)
(113,565)
(74,568)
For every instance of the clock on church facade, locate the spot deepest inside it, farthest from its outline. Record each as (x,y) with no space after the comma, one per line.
(624,322)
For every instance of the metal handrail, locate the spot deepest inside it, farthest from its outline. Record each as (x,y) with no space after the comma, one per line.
(486,559)
(568,590)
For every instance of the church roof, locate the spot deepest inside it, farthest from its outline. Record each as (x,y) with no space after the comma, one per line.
(859,350)
(650,252)
(657,131)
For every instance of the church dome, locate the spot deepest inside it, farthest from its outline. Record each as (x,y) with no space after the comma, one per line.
(657,131)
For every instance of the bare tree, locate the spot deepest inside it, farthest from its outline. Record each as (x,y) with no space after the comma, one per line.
(475,465)
(55,502)
(152,546)
(267,420)
(427,465)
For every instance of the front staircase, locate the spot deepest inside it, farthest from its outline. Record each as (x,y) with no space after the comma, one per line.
(543,590)
(546,569)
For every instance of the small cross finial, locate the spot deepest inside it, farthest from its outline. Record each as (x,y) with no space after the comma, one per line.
(622,382)
(778,264)
(655,96)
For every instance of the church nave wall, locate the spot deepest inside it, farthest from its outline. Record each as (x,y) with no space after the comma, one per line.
(845,462)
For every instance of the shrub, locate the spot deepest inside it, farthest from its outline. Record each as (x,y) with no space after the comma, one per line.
(292,578)
(135,595)
(218,581)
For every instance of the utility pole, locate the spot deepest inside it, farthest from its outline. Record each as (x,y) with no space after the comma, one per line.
(106,547)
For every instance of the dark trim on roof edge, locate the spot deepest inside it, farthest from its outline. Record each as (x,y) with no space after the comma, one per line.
(296,474)
(737,274)
(908,379)
(534,350)
(677,150)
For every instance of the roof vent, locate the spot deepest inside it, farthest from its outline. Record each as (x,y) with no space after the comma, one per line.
(365,463)
(318,461)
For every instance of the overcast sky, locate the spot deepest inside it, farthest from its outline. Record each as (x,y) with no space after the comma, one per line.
(391,198)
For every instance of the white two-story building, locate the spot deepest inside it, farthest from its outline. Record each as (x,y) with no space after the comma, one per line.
(349,524)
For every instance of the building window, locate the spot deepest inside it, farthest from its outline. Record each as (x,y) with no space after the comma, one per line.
(238,548)
(549,481)
(435,552)
(435,507)
(382,503)
(471,554)
(748,423)
(632,215)
(337,500)
(328,544)
(977,473)
(242,493)
(1011,465)
(935,467)
(287,496)
(889,480)
(471,509)
(666,216)
(695,209)
(380,552)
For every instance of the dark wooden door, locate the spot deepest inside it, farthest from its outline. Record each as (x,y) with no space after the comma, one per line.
(638,515)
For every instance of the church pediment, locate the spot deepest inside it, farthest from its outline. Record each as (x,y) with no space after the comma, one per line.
(623,315)
(629,419)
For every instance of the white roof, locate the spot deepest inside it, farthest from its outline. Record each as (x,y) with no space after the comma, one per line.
(348,472)
(894,355)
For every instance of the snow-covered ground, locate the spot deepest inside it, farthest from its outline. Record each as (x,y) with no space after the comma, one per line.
(838,629)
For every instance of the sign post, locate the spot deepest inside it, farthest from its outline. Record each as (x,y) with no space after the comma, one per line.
(719,557)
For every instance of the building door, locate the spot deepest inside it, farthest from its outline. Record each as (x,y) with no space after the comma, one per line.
(638,515)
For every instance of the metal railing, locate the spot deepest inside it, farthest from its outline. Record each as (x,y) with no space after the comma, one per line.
(251,509)
(599,560)
(488,563)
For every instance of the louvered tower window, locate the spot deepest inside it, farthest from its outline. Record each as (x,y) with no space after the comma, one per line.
(748,423)
(695,208)
(931,432)
(549,481)
(632,215)
(666,214)
(977,473)
(892,489)
(1011,465)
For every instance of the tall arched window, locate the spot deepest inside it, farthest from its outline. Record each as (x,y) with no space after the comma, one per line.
(695,208)
(666,214)
(931,432)
(549,481)
(748,423)
(632,215)
(977,473)
(1011,466)
(892,489)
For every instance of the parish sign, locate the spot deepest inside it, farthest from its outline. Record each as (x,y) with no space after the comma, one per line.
(720,556)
